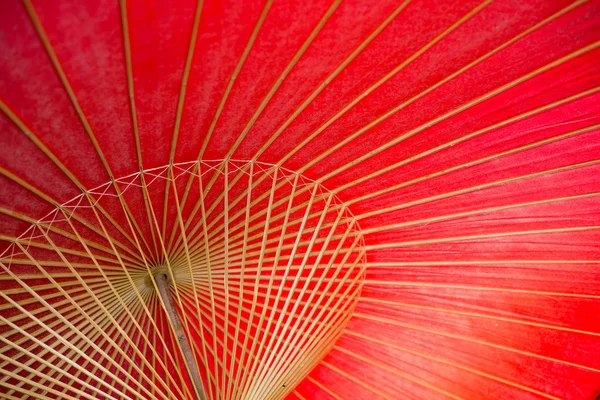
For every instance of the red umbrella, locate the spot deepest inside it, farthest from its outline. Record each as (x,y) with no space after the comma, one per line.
(304,200)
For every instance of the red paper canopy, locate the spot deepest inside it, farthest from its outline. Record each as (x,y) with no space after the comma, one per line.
(349,199)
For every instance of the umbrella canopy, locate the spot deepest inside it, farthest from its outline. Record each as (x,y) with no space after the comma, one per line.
(329,199)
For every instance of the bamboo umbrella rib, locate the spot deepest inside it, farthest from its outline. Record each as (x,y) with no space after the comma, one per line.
(235,261)
(397,69)
(380,82)
(483,288)
(90,320)
(154,233)
(310,229)
(298,395)
(280,80)
(131,91)
(226,272)
(153,303)
(197,329)
(274,218)
(197,207)
(464,107)
(321,337)
(184,80)
(313,347)
(476,314)
(189,263)
(71,213)
(464,338)
(33,137)
(447,362)
(475,134)
(136,291)
(356,380)
(235,73)
(246,309)
(300,253)
(51,227)
(255,298)
(129,369)
(236,344)
(177,295)
(382,191)
(239,245)
(243,377)
(111,270)
(35,384)
(409,223)
(276,261)
(114,355)
(56,275)
(314,338)
(460,71)
(229,334)
(224,97)
(83,299)
(210,284)
(477,212)
(68,344)
(50,296)
(478,187)
(236,201)
(58,366)
(273,362)
(293,377)
(236,278)
(330,78)
(25,392)
(310,357)
(287,313)
(180,103)
(482,236)
(535,27)
(219,341)
(187,355)
(264,266)
(65,81)
(259,214)
(514,39)
(147,267)
(324,388)
(396,371)
(123,304)
(283,75)
(222,102)
(30,243)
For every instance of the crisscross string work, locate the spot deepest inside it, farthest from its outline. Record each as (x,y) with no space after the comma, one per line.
(264,269)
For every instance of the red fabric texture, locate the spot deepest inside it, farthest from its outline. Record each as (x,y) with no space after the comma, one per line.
(469,154)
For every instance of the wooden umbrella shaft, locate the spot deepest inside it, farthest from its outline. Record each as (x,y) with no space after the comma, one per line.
(188,357)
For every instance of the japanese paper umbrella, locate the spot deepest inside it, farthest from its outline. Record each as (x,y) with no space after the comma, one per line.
(305,200)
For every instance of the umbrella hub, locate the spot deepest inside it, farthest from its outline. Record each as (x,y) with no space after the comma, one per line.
(249,261)
(160,269)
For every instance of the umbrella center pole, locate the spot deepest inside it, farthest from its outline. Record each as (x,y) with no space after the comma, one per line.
(186,350)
